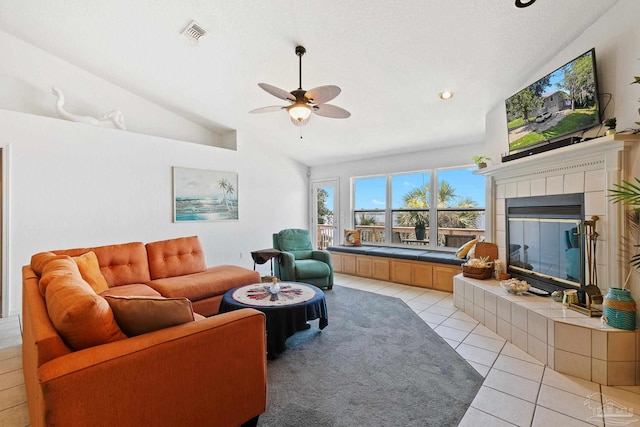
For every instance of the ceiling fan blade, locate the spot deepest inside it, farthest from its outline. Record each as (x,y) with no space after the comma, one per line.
(322,94)
(328,110)
(269,109)
(277,92)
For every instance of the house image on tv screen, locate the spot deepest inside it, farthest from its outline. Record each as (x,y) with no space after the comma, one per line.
(563,102)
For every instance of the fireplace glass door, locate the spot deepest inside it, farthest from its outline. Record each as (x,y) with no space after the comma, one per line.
(546,247)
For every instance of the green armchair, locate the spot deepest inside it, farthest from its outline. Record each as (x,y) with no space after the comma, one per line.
(299,262)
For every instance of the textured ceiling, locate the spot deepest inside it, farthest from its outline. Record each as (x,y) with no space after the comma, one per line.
(391,58)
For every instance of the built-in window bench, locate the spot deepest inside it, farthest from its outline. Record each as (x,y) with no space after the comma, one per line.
(565,340)
(426,269)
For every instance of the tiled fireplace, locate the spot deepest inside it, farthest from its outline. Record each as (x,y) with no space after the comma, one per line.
(567,341)
(590,168)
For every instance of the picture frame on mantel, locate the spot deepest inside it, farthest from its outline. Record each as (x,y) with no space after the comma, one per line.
(204,195)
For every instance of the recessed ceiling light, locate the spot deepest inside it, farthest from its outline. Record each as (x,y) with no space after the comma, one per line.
(446,95)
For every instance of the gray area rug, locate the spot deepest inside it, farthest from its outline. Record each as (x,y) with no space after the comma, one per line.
(376,364)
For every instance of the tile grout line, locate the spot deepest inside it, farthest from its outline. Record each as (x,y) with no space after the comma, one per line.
(491,415)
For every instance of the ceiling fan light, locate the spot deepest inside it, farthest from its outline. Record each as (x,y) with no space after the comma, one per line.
(300,123)
(299,111)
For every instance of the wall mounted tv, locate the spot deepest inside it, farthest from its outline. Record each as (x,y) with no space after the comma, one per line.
(551,112)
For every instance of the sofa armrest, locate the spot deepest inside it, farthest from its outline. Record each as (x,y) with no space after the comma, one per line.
(286,266)
(323,256)
(192,374)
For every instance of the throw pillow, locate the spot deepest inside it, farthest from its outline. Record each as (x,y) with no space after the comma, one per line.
(39,260)
(54,267)
(352,238)
(472,252)
(463,251)
(90,271)
(82,318)
(138,315)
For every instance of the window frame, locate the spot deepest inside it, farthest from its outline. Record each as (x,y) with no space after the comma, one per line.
(389,211)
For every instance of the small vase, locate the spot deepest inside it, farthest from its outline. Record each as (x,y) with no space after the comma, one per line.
(421,233)
(619,309)
(275,287)
(610,132)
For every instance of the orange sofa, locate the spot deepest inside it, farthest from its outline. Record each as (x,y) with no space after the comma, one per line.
(81,369)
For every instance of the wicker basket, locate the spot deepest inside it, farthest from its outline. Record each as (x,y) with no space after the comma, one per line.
(481,273)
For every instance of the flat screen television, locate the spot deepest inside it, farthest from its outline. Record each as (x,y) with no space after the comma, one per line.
(553,108)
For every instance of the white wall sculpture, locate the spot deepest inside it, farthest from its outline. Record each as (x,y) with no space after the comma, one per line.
(111,119)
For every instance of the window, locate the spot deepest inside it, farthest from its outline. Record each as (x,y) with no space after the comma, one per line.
(397,209)
(410,208)
(461,200)
(369,208)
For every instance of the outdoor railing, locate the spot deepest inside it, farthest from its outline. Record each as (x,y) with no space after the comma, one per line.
(406,235)
(325,236)
(451,237)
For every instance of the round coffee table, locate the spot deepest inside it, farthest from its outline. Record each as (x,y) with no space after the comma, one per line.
(286,312)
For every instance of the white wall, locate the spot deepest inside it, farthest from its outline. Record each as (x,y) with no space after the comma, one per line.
(27,74)
(75,185)
(453,156)
(616,38)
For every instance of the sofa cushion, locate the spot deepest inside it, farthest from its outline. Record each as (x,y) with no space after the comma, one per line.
(175,257)
(90,271)
(83,318)
(39,260)
(138,315)
(211,282)
(121,264)
(54,269)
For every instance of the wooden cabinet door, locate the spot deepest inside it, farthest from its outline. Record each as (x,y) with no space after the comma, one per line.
(364,266)
(421,275)
(380,269)
(401,272)
(443,277)
(349,264)
(336,262)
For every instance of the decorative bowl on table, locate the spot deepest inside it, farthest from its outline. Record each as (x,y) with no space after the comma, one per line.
(515,286)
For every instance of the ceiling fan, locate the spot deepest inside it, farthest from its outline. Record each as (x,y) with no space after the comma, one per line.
(304,102)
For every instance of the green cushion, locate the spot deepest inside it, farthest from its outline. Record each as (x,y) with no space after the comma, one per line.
(311,268)
(296,241)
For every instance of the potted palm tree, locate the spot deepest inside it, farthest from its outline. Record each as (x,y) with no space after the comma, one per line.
(619,307)
(480,161)
(420,226)
(611,126)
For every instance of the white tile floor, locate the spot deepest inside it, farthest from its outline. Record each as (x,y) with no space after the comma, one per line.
(517,390)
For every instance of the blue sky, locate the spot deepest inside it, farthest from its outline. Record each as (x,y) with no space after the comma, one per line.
(371,192)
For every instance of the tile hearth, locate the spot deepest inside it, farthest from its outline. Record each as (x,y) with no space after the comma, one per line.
(565,340)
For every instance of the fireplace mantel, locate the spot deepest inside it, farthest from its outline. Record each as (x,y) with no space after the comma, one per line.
(598,153)
(591,168)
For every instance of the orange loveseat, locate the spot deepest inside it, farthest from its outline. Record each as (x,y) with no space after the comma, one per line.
(81,369)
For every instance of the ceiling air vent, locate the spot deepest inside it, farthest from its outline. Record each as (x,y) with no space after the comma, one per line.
(194,32)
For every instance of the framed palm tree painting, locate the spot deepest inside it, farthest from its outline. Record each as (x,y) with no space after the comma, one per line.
(204,195)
